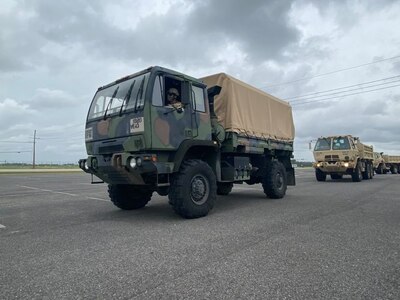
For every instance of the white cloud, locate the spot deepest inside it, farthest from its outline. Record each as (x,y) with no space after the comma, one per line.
(54,55)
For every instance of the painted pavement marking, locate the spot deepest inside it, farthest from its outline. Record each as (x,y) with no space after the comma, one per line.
(61,193)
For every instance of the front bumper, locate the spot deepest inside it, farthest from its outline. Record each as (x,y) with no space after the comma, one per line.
(118,168)
(335,166)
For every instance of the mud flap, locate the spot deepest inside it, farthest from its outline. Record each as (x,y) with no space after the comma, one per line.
(291,180)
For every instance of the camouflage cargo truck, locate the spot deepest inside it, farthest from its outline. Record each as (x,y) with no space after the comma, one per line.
(391,163)
(223,132)
(343,155)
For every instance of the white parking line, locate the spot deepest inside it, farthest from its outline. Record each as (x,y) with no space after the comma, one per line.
(93,198)
(50,191)
(62,193)
(2,226)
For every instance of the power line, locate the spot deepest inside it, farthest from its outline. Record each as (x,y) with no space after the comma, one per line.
(63,138)
(346,91)
(331,72)
(341,88)
(15,151)
(16,142)
(329,98)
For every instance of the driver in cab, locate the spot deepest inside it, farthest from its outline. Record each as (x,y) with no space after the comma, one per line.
(172,99)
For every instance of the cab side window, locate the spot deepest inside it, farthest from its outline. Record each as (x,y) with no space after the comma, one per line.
(158,91)
(198,98)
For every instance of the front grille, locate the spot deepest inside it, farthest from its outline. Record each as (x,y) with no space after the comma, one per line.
(110,149)
(331,157)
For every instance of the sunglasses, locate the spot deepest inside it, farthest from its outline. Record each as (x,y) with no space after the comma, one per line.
(173,94)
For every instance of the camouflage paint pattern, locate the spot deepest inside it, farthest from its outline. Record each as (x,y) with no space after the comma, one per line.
(170,127)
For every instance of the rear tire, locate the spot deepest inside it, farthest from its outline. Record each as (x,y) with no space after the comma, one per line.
(275,180)
(128,197)
(224,188)
(365,174)
(193,190)
(319,175)
(357,175)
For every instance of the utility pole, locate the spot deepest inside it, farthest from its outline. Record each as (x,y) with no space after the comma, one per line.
(34,146)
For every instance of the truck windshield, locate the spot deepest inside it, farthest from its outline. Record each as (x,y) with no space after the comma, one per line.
(323,144)
(118,98)
(340,143)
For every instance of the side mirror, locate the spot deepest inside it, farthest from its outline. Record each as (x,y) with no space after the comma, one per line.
(211,93)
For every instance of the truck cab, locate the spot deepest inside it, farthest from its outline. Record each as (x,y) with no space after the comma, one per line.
(131,128)
(342,155)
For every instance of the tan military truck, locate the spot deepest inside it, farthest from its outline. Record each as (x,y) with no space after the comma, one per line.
(392,164)
(343,155)
(379,163)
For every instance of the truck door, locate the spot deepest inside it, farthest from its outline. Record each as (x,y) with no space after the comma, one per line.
(200,113)
(171,124)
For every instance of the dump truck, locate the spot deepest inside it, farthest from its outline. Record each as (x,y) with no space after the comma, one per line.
(379,163)
(343,155)
(391,163)
(384,163)
(223,132)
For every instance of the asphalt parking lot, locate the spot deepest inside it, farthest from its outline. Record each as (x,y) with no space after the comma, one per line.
(61,238)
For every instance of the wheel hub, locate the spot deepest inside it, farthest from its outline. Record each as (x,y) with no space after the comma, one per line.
(199,189)
(279,180)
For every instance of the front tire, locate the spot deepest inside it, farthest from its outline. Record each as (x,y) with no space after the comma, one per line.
(379,170)
(275,180)
(193,190)
(357,175)
(393,169)
(319,175)
(128,197)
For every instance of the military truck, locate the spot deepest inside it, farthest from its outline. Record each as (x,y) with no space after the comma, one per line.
(384,163)
(343,155)
(224,132)
(379,163)
(392,164)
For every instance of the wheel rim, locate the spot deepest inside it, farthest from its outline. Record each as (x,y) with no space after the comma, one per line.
(279,180)
(200,189)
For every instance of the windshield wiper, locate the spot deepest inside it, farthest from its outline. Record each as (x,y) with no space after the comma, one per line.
(109,103)
(140,91)
(127,97)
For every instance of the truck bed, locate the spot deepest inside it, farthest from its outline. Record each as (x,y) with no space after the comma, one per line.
(240,143)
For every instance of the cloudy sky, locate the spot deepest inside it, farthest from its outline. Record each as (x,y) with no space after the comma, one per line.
(336,62)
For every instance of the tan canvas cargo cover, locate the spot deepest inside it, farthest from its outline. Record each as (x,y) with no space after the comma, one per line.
(244,109)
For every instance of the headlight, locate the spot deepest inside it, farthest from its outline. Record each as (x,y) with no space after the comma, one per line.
(132,162)
(318,164)
(86,165)
(94,163)
(346,164)
(138,161)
